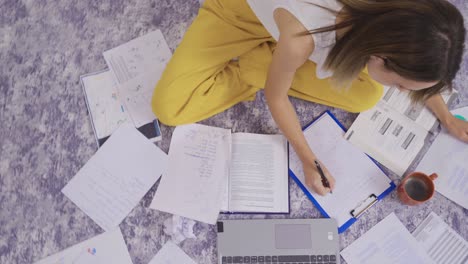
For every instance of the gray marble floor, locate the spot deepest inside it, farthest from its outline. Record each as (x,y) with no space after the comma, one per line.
(46,135)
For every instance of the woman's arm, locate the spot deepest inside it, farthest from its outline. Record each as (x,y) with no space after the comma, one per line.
(291,53)
(455,126)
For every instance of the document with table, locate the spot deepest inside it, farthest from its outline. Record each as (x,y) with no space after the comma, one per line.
(115,179)
(394,131)
(211,169)
(388,242)
(360,183)
(441,242)
(447,157)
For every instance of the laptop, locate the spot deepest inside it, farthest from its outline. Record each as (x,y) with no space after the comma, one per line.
(278,241)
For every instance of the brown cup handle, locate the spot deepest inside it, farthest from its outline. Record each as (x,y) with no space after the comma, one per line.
(433,176)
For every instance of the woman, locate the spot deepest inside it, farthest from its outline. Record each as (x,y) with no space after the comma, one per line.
(337,53)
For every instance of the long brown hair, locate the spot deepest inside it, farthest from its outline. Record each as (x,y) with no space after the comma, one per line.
(422,40)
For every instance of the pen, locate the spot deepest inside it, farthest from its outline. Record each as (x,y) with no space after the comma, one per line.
(325,182)
(460,117)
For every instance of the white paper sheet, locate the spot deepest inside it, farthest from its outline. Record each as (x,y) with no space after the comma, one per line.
(195,181)
(115,179)
(108,247)
(389,242)
(137,66)
(105,106)
(171,254)
(447,157)
(258,176)
(441,242)
(357,176)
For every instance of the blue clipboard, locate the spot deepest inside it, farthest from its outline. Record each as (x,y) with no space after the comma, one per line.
(355,213)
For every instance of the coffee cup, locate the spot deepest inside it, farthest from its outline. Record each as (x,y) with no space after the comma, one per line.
(416,188)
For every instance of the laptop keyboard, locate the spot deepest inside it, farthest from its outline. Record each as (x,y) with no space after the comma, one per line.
(296,259)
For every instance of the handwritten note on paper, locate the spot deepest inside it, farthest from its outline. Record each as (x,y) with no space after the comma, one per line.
(195,181)
(389,242)
(171,254)
(114,180)
(137,66)
(447,157)
(104,103)
(356,175)
(108,247)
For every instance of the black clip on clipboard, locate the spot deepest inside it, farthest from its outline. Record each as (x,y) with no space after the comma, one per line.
(364,205)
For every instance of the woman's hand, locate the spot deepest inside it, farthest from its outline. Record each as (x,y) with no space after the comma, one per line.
(313,180)
(457,128)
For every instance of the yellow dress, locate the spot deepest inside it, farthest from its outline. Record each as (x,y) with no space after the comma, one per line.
(202,79)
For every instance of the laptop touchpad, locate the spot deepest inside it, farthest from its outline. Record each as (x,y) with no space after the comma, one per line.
(293,236)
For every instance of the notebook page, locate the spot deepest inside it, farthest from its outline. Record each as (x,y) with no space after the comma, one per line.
(447,157)
(389,242)
(258,176)
(115,179)
(440,241)
(356,175)
(108,247)
(197,173)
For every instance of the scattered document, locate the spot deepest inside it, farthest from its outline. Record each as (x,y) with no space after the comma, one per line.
(394,131)
(137,66)
(194,182)
(389,242)
(108,247)
(357,176)
(171,254)
(441,242)
(107,108)
(447,157)
(115,179)
(238,172)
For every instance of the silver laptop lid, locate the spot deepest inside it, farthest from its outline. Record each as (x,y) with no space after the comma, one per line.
(279,239)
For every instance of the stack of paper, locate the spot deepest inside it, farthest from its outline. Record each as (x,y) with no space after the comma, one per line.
(123,93)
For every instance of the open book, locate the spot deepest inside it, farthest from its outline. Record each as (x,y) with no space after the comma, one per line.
(394,131)
(212,170)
